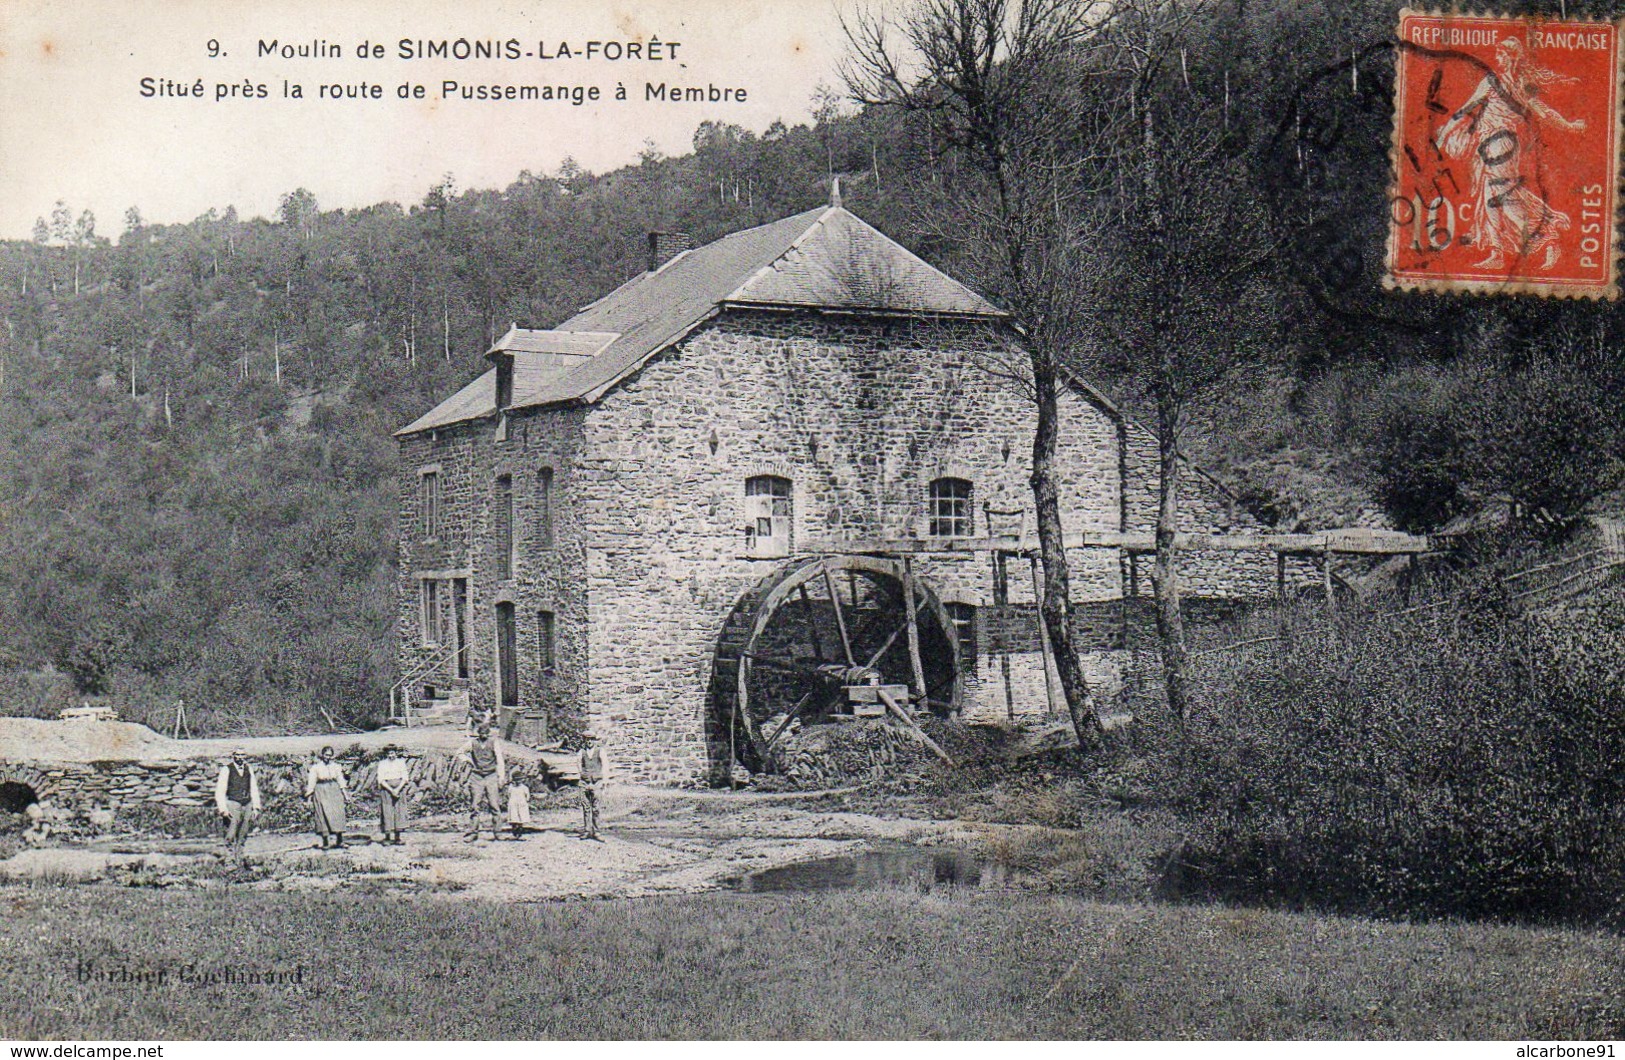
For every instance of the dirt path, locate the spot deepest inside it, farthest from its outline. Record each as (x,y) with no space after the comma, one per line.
(655,841)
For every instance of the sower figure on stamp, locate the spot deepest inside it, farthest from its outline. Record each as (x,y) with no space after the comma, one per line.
(592,783)
(237,797)
(1498,130)
(326,790)
(488,772)
(393,774)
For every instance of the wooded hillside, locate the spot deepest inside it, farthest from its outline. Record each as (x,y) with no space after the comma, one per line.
(196,468)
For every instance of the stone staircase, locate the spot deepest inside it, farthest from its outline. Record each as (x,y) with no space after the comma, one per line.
(451,709)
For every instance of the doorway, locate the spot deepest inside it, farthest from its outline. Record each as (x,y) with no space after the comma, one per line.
(507,662)
(459,610)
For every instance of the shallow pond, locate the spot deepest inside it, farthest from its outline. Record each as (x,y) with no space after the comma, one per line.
(920,868)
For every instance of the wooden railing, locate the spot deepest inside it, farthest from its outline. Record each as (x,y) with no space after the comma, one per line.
(400,693)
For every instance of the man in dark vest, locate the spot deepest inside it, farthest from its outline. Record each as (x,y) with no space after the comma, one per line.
(592,783)
(487,774)
(237,797)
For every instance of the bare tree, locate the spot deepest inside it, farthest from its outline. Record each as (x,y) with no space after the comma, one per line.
(1178,279)
(84,238)
(999,80)
(1113,217)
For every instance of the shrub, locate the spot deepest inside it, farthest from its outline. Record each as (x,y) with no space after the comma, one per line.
(1458,760)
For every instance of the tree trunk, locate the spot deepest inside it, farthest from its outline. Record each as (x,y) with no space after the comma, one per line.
(1165,571)
(1056,608)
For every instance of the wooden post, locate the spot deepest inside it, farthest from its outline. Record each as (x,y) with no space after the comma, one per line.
(919,733)
(1280,577)
(1043,638)
(1001,601)
(914,662)
(812,624)
(795,713)
(1326,576)
(752,733)
(840,617)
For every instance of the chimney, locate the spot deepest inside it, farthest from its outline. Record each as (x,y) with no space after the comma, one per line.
(663,246)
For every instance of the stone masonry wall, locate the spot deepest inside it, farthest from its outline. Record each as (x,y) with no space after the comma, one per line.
(860,414)
(1204,507)
(470,457)
(137,793)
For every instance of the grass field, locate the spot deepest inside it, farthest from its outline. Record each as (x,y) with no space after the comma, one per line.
(885,964)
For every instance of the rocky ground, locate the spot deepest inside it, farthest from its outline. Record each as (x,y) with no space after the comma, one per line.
(654,841)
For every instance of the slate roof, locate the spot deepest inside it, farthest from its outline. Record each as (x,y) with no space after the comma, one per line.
(825,258)
(570,343)
(477,399)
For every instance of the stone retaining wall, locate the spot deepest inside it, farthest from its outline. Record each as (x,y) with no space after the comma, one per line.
(141,790)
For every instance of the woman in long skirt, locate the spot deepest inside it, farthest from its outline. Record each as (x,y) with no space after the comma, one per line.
(324,786)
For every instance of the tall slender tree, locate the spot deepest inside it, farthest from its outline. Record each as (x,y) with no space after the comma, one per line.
(997,80)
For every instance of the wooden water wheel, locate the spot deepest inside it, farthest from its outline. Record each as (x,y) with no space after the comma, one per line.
(815,626)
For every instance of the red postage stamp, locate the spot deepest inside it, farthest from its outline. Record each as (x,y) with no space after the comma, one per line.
(1506,156)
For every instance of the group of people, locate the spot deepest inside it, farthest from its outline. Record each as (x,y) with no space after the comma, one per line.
(237,793)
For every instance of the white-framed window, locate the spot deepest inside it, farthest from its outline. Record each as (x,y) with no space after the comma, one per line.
(429,502)
(429,612)
(950,508)
(767,516)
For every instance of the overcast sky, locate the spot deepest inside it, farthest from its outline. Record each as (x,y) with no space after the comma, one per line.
(74,124)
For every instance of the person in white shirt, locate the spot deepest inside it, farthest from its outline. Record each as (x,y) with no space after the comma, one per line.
(237,797)
(393,775)
(487,774)
(592,784)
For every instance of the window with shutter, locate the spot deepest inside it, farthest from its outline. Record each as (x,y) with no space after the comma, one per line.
(767,516)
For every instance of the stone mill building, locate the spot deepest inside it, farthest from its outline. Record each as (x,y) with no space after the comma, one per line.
(795,447)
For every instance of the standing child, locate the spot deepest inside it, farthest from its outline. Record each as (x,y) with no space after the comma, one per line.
(518,807)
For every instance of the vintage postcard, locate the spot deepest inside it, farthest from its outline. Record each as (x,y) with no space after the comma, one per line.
(810,519)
